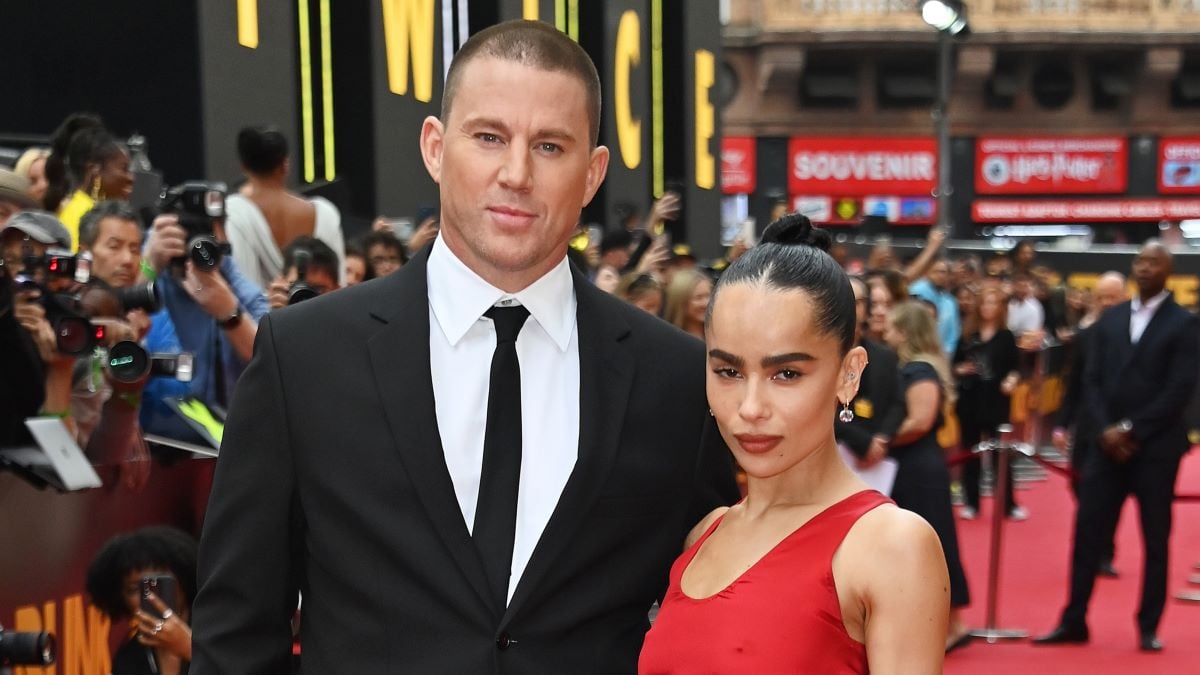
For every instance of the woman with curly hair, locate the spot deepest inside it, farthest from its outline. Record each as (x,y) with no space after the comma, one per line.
(161,642)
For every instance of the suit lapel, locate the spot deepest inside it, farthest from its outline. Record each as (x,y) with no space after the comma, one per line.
(1124,342)
(1155,327)
(400,356)
(605,378)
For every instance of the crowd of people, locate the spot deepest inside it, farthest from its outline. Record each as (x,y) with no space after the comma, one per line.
(820,366)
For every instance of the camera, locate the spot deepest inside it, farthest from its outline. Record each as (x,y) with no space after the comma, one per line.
(74,333)
(140,296)
(128,362)
(198,204)
(300,291)
(26,649)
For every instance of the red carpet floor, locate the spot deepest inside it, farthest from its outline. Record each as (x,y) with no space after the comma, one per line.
(1034,580)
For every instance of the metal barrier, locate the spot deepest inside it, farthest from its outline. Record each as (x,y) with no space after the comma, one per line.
(1004,449)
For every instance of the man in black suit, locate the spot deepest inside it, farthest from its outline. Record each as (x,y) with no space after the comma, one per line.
(480,463)
(1140,374)
(1074,428)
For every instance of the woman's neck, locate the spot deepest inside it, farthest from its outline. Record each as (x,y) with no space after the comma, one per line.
(820,478)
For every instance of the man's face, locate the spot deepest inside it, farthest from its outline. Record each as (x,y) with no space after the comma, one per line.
(117,253)
(1151,268)
(515,168)
(318,278)
(15,246)
(939,274)
(1109,293)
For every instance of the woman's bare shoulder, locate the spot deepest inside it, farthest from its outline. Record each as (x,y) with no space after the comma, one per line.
(702,527)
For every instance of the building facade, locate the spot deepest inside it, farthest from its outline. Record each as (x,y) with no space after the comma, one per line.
(1062,112)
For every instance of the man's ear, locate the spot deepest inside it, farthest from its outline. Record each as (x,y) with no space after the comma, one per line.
(433,138)
(597,169)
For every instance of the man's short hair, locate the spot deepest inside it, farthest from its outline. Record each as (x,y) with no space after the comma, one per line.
(89,224)
(534,44)
(322,256)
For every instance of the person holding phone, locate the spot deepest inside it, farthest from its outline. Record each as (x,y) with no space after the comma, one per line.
(148,577)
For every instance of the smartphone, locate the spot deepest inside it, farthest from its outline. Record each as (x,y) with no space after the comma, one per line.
(165,587)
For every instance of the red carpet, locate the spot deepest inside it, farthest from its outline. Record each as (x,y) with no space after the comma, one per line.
(1034,580)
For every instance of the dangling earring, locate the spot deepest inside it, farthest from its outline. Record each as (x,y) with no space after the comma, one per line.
(96,189)
(846,416)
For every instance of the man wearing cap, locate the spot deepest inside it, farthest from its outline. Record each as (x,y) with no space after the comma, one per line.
(14,195)
(22,376)
(26,337)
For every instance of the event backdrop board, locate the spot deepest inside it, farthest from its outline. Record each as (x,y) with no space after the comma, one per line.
(50,538)
(349,84)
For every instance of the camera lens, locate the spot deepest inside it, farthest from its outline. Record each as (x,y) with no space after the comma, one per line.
(205,252)
(128,362)
(142,296)
(300,293)
(74,335)
(26,649)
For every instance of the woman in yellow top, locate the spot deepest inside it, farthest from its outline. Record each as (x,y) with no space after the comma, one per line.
(86,165)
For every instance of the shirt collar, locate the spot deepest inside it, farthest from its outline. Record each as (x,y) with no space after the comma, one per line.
(459,297)
(1151,304)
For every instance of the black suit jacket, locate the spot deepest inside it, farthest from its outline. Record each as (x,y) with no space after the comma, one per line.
(332,480)
(1149,383)
(879,395)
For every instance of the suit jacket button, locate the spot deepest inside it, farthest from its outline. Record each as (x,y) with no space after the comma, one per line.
(504,641)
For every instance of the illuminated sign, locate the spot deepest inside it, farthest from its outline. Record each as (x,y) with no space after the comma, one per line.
(1086,165)
(862,166)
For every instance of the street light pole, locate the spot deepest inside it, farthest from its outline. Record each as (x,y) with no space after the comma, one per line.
(941,123)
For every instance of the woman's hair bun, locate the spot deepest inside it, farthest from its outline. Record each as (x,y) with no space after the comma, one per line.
(795,229)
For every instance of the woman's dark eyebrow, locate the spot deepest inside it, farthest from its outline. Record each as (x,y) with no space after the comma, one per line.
(735,361)
(780,359)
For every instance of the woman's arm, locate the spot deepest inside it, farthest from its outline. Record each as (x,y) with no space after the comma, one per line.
(923,400)
(907,595)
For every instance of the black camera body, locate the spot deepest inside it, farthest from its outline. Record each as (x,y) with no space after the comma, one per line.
(300,291)
(198,204)
(26,649)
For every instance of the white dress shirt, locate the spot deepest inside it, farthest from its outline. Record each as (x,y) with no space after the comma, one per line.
(1141,313)
(1025,315)
(461,342)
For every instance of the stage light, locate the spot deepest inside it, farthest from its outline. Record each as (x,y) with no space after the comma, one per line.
(948,16)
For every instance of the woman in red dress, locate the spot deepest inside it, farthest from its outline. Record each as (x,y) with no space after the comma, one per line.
(812,572)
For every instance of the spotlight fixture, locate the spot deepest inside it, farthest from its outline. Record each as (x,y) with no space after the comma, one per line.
(948,16)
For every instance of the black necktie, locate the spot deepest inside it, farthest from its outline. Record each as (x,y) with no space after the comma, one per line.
(496,510)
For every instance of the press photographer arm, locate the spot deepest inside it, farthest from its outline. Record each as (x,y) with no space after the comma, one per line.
(209,289)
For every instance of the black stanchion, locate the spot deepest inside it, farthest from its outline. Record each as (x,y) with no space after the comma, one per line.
(1004,447)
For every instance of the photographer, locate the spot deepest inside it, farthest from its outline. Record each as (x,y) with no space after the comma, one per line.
(66,320)
(160,639)
(310,268)
(111,233)
(214,312)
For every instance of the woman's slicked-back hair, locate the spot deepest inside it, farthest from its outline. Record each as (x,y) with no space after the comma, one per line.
(261,150)
(794,255)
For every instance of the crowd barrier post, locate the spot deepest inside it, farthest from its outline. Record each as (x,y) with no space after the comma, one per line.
(1004,447)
